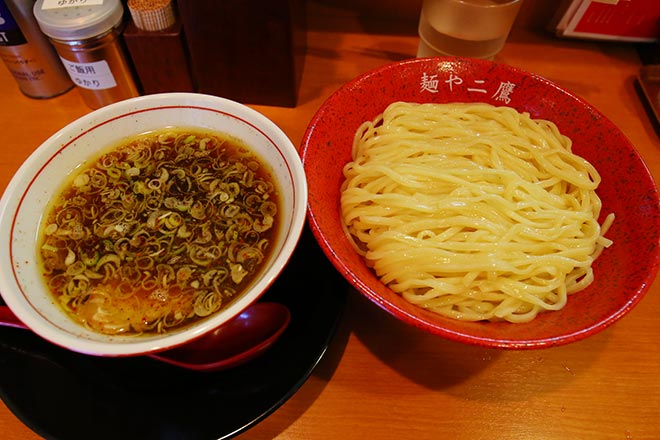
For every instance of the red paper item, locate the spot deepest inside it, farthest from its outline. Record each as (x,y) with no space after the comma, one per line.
(624,20)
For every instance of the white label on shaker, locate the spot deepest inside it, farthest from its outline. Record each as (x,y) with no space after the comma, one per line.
(56,4)
(93,76)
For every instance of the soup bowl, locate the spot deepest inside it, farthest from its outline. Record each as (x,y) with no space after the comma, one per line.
(623,272)
(40,178)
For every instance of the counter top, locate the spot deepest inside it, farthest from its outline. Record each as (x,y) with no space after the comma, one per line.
(383,379)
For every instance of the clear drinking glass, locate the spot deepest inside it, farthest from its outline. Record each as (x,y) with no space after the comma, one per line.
(467,28)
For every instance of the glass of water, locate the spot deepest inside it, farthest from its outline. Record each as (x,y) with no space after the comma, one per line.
(466,28)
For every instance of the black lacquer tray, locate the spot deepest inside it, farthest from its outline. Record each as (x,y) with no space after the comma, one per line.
(65,395)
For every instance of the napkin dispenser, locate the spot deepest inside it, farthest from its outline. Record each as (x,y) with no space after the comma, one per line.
(249,51)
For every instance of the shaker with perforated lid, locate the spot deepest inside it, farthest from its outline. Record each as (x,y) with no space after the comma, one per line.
(86,37)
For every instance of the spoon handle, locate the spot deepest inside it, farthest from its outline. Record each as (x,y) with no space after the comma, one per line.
(8,319)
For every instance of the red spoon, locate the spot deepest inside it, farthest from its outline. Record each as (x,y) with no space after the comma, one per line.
(240,340)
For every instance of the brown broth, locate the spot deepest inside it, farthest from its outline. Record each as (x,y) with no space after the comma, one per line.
(161,231)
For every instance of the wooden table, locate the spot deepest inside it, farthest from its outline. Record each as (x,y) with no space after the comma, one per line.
(382,379)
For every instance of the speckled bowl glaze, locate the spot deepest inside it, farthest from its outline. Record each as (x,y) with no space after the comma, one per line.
(41,176)
(623,272)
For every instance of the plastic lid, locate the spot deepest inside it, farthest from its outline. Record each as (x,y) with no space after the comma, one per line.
(78,22)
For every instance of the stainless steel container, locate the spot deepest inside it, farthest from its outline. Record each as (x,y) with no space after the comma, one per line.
(87,38)
(28,54)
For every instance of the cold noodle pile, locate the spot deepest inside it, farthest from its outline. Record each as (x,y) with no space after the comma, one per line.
(473,211)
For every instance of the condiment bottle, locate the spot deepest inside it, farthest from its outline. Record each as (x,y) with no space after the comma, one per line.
(27,53)
(87,38)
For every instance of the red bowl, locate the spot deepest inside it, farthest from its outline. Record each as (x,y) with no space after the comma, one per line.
(623,273)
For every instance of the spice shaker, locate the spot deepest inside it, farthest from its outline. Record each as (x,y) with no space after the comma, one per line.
(87,38)
(27,53)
